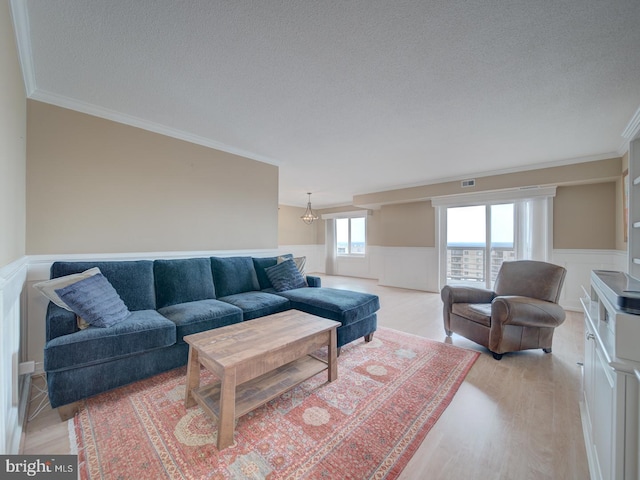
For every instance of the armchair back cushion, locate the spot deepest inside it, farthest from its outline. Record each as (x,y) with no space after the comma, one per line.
(528,278)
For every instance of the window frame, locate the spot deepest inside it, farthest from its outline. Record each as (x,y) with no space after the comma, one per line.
(349,218)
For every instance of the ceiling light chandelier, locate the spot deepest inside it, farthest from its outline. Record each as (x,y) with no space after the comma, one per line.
(309,215)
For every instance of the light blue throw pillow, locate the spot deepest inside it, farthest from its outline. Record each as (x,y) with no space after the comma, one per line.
(285,276)
(95,301)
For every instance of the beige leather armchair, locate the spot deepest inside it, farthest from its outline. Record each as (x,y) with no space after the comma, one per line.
(520,313)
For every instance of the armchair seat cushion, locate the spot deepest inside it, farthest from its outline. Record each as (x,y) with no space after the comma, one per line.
(143,330)
(476,312)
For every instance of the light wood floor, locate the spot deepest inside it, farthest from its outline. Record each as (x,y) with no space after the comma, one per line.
(514,419)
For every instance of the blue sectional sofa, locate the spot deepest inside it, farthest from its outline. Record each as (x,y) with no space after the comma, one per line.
(168,299)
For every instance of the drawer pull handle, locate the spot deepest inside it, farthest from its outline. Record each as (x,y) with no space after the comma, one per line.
(590,336)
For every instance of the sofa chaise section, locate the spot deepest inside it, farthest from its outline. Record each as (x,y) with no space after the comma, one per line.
(356,311)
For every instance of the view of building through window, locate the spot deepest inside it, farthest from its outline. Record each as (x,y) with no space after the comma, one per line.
(475,253)
(351,236)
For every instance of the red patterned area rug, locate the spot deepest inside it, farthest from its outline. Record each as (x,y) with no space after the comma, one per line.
(367,424)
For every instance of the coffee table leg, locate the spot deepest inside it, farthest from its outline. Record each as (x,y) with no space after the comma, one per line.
(193,377)
(333,355)
(226,421)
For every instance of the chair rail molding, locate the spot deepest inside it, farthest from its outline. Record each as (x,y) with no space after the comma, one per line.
(579,264)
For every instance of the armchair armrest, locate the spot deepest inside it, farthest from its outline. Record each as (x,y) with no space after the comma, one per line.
(314,281)
(451,295)
(526,312)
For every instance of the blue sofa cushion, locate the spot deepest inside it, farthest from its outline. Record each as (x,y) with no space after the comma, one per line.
(340,305)
(194,317)
(233,275)
(183,280)
(257,304)
(95,301)
(285,276)
(133,280)
(143,330)
(261,264)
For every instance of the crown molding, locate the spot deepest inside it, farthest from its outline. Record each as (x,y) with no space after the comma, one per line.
(631,132)
(633,127)
(22,31)
(20,16)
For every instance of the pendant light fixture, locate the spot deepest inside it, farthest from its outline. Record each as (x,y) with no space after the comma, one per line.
(309,215)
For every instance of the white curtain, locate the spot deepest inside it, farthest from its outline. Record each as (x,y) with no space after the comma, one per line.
(534,228)
(330,245)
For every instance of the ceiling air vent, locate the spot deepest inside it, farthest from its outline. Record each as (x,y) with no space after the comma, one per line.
(468,183)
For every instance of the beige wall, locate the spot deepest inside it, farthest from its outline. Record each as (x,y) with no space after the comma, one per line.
(587,208)
(13,124)
(584,217)
(97,186)
(588,172)
(408,225)
(292,230)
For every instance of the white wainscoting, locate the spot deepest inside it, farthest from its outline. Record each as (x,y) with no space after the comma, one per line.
(409,267)
(579,264)
(417,268)
(403,267)
(12,279)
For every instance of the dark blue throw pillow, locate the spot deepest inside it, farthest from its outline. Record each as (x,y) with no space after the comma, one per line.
(95,300)
(285,276)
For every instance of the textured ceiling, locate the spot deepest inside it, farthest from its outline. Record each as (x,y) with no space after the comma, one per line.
(349,96)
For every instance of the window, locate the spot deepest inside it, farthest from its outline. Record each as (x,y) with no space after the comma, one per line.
(351,236)
(478,231)
(479,239)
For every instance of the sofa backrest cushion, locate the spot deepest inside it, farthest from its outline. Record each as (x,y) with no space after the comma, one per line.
(261,264)
(133,280)
(183,280)
(232,275)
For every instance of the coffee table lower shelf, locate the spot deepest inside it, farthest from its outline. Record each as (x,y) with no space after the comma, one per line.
(260,390)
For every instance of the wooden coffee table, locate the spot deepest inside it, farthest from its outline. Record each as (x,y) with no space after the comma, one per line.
(256,361)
